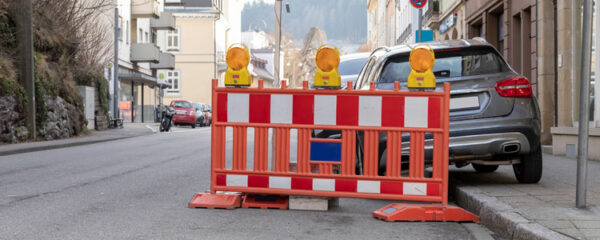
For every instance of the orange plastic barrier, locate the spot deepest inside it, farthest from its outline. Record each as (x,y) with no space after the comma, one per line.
(325,166)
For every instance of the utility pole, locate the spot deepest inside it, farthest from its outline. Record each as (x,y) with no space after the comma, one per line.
(420,21)
(22,10)
(276,64)
(116,68)
(584,98)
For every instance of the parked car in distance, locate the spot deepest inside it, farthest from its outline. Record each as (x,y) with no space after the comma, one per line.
(185,113)
(203,114)
(350,66)
(494,117)
(208,116)
(198,107)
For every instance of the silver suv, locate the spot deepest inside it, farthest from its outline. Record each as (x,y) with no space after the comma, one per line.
(494,118)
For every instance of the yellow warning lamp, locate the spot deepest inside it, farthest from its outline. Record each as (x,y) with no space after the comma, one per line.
(328,59)
(237,73)
(421,61)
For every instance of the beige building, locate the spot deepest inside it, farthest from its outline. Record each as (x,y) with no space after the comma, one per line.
(193,44)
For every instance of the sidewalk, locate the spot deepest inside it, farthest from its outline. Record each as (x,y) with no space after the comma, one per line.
(129,130)
(532,211)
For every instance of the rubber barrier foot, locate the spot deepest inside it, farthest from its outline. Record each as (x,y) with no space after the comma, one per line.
(423,212)
(218,200)
(265,202)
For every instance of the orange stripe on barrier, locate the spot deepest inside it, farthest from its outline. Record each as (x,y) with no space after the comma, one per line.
(239,148)
(303,165)
(282,150)
(394,154)
(261,149)
(371,152)
(348,166)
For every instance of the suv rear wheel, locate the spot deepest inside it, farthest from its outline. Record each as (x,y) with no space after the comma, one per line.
(530,168)
(484,168)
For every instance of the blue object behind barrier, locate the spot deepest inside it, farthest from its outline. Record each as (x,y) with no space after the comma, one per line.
(322,151)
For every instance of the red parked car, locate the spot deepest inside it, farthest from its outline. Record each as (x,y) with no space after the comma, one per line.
(184,113)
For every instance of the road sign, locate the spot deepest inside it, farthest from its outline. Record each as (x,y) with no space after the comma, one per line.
(418,3)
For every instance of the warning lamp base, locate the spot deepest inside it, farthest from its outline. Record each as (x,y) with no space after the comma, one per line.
(217,200)
(331,79)
(423,213)
(239,78)
(265,202)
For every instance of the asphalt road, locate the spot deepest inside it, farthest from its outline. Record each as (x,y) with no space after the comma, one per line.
(139,188)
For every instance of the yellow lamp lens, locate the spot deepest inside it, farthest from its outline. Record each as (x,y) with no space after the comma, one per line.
(237,58)
(421,59)
(327,59)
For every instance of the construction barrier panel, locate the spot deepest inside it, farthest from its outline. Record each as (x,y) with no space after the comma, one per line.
(327,167)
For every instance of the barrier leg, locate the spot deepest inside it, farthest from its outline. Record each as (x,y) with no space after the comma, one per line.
(216,200)
(424,212)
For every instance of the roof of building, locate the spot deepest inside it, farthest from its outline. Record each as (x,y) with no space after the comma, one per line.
(264,50)
(191,3)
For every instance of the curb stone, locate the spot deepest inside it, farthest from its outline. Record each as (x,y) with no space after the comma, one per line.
(64,145)
(499,217)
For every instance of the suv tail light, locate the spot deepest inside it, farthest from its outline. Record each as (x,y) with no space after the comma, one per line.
(514,87)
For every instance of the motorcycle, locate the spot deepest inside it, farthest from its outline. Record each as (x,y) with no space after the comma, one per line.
(167,119)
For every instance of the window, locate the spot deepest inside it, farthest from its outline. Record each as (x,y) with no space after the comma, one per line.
(448,64)
(140,36)
(146,39)
(120,28)
(174,39)
(127,32)
(174,78)
(501,32)
(352,67)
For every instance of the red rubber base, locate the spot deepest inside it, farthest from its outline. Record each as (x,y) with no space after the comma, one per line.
(218,200)
(424,213)
(265,202)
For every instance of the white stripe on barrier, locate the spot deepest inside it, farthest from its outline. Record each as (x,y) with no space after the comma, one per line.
(415,112)
(282,106)
(369,111)
(280,182)
(414,189)
(320,184)
(368,186)
(237,180)
(325,110)
(238,107)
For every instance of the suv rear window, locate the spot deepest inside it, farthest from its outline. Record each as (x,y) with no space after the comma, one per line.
(182,105)
(449,63)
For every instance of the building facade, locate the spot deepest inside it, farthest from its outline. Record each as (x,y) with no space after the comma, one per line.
(204,30)
(139,57)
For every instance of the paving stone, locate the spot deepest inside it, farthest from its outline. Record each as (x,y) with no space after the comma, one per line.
(571,232)
(591,232)
(536,231)
(587,224)
(517,201)
(502,191)
(556,224)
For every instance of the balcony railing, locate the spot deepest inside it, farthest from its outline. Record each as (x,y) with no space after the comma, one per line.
(145,52)
(145,8)
(167,61)
(165,22)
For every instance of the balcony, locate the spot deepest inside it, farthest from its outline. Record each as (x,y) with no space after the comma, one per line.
(165,22)
(167,61)
(145,9)
(145,52)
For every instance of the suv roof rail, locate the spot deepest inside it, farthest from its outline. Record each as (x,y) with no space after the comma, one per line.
(387,49)
(480,39)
